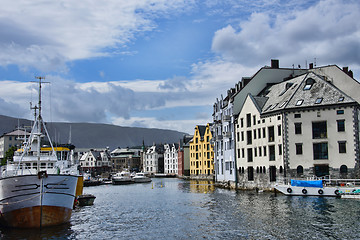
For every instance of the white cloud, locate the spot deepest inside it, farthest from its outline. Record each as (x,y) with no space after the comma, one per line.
(46,35)
(327,31)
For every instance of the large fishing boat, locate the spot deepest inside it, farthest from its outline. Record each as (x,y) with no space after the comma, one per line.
(37,188)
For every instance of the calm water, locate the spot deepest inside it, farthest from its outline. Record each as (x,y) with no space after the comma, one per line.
(178,209)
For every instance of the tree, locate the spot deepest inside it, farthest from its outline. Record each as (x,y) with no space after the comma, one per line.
(8,155)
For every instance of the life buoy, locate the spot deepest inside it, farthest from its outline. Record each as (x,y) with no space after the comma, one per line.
(321,192)
(337,192)
(304,191)
(289,190)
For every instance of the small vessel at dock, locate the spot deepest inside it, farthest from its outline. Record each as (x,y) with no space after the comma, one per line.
(319,187)
(141,178)
(37,188)
(122,178)
(86,200)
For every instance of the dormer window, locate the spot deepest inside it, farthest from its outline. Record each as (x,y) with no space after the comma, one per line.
(308,84)
(318,100)
(283,104)
(299,102)
(341,99)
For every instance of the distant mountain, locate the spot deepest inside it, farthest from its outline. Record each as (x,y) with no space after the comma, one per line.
(94,135)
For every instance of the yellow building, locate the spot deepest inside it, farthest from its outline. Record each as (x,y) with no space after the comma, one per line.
(201,153)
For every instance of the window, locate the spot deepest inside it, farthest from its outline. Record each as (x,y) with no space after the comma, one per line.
(319,130)
(272,153)
(318,100)
(321,170)
(280,149)
(264,131)
(249,137)
(242,136)
(340,112)
(298,147)
(259,133)
(299,102)
(254,133)
(238,153)
(264,151)
(297,128)
(340,125)
(250,155)
(260,152)
(279,130)
(271,134)
(250,174)
(254,120)
(320,151)
(341,99)
(342,146)
(255,152)
(297,115)
(248,120)
(309,83)
(243,152)
(299,170)
(343,169)
(242,122)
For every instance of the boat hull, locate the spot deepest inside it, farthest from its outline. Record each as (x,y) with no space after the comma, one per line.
(327,191)
(122,181)
(27,201)
(142,180)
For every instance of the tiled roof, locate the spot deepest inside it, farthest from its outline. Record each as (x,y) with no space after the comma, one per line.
(308,90)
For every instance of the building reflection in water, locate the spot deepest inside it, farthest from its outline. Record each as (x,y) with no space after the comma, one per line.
(201,186)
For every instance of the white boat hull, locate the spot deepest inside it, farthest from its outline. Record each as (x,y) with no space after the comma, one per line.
(327,191)
(142,179)
(28,201)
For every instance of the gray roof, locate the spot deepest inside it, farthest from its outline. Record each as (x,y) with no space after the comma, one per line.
(308,90)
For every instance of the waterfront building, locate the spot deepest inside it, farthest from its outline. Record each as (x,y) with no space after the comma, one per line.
(223,139)
(303,125)
(95,162)
(126,159)
(154,159)
(184,156)
(201,153)
(171,159)
(12,139)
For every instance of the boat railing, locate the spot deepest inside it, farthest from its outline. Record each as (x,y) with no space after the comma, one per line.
(327,181)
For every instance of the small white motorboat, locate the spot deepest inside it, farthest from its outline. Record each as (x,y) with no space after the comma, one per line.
(122,178)
(141,178)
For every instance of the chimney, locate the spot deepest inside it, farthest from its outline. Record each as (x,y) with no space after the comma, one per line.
(311,65)
(274,63)
(346,69)
(351,74)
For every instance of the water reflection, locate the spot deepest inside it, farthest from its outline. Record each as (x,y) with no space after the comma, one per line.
(178,209)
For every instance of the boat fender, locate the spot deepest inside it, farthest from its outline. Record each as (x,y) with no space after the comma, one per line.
(321,192)
(304,191)
(289,190)
(337,192)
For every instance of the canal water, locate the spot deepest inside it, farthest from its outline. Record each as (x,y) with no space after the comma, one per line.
(179,209)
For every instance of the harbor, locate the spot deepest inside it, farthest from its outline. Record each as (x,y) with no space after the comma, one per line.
(173,208)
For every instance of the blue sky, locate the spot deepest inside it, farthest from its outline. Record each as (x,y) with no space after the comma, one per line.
(159,63)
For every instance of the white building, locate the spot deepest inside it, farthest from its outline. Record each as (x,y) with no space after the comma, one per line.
(11,139)
(300,126)
(224,139)
(171,159)
(154,159)
(95,162)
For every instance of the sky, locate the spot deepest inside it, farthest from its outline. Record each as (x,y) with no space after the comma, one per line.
(159,63)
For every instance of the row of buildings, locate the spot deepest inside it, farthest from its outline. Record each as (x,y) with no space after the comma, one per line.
(287,123)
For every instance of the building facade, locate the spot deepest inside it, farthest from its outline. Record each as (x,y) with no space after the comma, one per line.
(201,153)
(171,159)
(95,162)
(154,159)
(12,139)
(126,159)
(301,126)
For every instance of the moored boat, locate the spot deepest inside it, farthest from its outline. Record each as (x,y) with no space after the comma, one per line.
(37,188)
(141,178)
(86,200)
(321,187)
(122,178)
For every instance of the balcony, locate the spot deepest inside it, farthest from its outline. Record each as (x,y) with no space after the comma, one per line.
(227,134)
(227,118)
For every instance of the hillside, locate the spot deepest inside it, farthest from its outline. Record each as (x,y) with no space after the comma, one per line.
(94,135)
